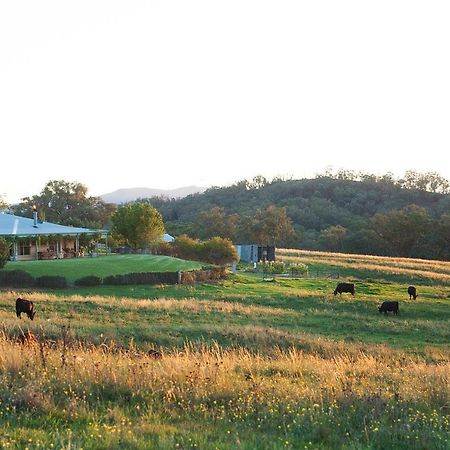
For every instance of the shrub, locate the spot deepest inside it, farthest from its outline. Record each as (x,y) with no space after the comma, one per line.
(165,248)
(299,269)
(272,268)
(218,251)
(51,281)
(91,280)
(16,278)
(187,248)
(188,278)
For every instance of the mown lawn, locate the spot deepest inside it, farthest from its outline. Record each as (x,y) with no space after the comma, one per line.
(245,364)
(103,266)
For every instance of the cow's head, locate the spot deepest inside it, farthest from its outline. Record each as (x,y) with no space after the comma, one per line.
(31,314)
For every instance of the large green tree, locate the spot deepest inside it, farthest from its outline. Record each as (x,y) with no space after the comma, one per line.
(214,222)
(269,226)
(402,232)
(67,203)
(333,238)
(138,225)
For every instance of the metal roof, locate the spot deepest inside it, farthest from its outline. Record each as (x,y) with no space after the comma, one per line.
(168,238)
(11,225)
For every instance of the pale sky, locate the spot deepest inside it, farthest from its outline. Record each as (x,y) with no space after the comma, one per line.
(162,94)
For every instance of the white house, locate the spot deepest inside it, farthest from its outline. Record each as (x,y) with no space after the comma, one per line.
(35,239)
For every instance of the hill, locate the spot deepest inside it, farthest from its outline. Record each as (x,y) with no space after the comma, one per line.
(131,194)
(317,206)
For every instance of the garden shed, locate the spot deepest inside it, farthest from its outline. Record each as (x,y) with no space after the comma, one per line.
(255,253)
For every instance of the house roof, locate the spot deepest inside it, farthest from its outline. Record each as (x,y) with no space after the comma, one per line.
(168,238)
(11,225)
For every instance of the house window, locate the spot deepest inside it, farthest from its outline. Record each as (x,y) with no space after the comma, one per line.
(25,248)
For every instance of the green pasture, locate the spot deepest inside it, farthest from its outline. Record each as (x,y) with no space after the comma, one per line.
(103,266)
(246,311)
(321,399)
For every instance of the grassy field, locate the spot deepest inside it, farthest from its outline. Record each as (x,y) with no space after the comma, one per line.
(240,364)
(103,266)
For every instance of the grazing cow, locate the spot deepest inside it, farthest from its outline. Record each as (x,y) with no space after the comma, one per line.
(345,287)
(388,306)
(26,307)
(412,292)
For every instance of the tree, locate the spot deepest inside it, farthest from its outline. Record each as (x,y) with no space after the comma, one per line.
(3,204)
(271,226)
(138,225)
(402,232)
(214,222)
(67,203)
(4,252)
(333,238)
(439,238)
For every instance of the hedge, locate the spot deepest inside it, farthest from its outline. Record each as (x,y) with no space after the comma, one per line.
(16,278)
(21,279)
(90,280)
(51,281)
(142,278)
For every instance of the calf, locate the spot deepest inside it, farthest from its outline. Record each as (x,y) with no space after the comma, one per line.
(26,307)
(344,287)
(388,306)
(412,292)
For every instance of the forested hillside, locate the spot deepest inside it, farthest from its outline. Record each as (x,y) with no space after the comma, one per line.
(363,214)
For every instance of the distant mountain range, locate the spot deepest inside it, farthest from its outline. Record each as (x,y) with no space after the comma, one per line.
(131,194)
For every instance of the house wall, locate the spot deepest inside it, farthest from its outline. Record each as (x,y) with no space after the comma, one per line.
(47,249)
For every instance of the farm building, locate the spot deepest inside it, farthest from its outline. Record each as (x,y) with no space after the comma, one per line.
(255,253)
(36,239)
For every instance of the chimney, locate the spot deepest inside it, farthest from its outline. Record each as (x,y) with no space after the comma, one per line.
(35,216)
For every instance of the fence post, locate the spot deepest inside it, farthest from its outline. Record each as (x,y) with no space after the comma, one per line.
(179,276)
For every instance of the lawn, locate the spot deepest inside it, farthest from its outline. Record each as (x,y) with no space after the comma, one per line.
(103,266)
(244,364)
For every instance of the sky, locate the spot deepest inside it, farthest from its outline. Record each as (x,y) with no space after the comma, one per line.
(163,94)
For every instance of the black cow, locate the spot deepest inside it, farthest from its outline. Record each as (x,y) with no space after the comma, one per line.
(388,306)
(412,292)
(26,307)
(344,287)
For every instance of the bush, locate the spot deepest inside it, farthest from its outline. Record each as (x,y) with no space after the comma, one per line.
(91,280)
(187,248)
(216,250)
(16,278)
(299,269)
(4,252)
(51,281)
(165,248)
(272,268)
(188,278)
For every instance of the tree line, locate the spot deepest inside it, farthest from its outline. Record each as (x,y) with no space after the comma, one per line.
(342,211)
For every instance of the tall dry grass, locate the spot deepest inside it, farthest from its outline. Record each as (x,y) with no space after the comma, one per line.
(433,270)
(290,395)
